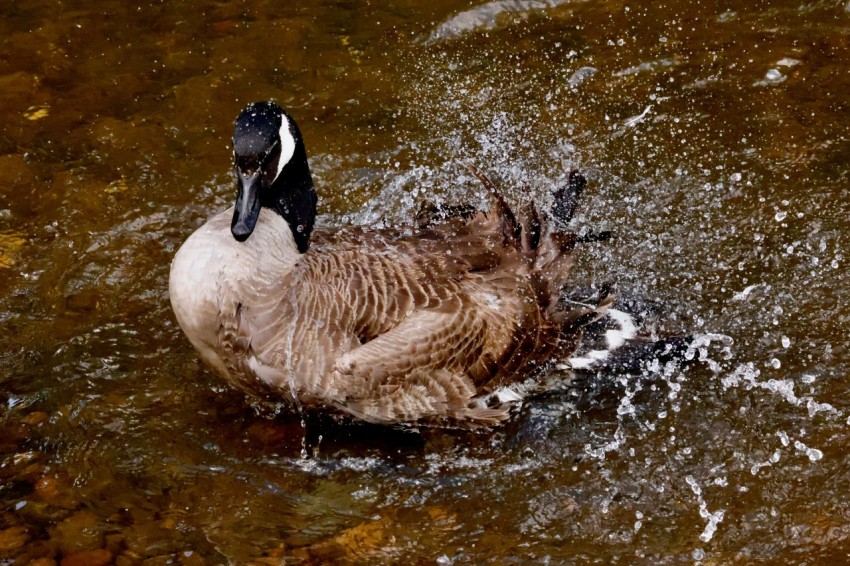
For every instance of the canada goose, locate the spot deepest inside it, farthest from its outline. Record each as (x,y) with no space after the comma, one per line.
(433,328)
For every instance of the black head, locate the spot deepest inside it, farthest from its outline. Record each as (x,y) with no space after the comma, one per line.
(272,172)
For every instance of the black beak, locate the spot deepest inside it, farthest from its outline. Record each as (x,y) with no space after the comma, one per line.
(247,209)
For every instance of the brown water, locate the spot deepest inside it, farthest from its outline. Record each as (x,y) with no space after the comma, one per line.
(716,137)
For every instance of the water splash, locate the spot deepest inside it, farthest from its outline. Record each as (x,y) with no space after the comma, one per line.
(812,453)
(485,16)
(713,518)
(746,375)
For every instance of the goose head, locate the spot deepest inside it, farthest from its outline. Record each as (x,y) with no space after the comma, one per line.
(272,172)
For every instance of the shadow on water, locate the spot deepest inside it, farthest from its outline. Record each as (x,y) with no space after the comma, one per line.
(715,141)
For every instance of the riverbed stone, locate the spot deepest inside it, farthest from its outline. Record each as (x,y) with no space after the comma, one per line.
(36,418)
(56,490)
(148,539)
(13,538)
(78,532)
(96,557)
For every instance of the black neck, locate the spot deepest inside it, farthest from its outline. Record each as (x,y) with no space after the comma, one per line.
(295,200)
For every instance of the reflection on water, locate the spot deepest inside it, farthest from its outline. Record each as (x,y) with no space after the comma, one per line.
(716,142)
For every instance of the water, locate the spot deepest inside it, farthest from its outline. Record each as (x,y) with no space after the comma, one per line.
(715,140)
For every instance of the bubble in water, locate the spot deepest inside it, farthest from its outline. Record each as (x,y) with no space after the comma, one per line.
(786,342)
(775,364)
(780,216)
(774,76)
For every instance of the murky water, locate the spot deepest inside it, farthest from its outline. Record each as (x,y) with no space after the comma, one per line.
(715,136)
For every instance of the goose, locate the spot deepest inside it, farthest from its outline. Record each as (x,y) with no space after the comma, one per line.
(439,326)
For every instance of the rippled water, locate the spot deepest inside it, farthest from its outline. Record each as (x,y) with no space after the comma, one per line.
(715,137)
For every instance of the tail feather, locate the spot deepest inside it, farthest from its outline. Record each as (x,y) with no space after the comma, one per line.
(545,240)
(531,229)
(554,259)
(594,335)
(566,199)
(614,344)
(498,206)
(618,328)
(586,313)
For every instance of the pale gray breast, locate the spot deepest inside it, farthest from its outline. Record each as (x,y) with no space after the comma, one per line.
(212,272)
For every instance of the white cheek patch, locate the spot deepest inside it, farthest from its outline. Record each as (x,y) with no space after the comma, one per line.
(287,145)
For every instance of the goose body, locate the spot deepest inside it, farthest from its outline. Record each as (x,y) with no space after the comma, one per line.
(425,328)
